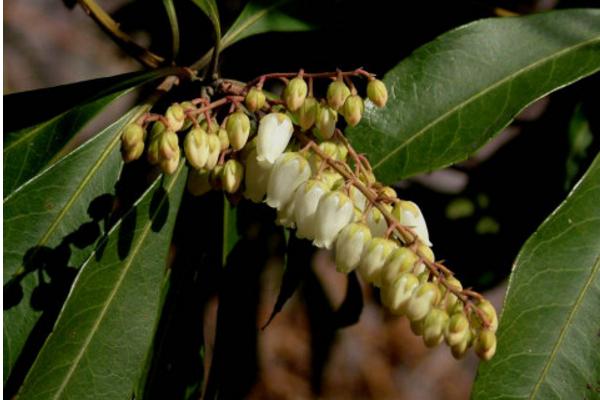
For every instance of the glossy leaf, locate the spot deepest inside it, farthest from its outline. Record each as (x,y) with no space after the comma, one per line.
(453,94)
(45,222)
(58,114)
(548,342)
(174,24)
(209,7)
(101,337)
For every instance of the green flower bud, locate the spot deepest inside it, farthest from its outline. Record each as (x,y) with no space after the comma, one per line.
(401,260)
(457,329)
(233,174)
(397,295)
(389,192)
(213,128)
(325,123)
(377,92)
(342,152)
(224,138)
(373,259)
(307,113)
(460,349)
(450,299)
(214,150)
(157,129)
(153,154)
(349,246)
(196,149)
(295,93)
(133,153)
(169,145)
(353,110)
(434,324)
(331,179)
(417,327)
(485,344)
(337,93)
(255,99)
(238,129)
(315,160)
(198,182)
(422,300)
(215,177)
(489,312)
(132,135)
(427,255)
(176,116)
(187,106)
(169,165)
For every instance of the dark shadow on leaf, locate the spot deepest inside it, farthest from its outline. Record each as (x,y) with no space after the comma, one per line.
(159,209)
(126,234)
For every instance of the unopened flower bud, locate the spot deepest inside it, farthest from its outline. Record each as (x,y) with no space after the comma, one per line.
(422,300)
(176,116)
(489,312)
(215,177)
(233,174)
(169,145)
(485,344)
(325,123)
(331,151)
(307,113)
(409,214)
(389,192)
(460,349)
(342,152)
(187,106)
(169,165)
(256,179)
(353,110)
(133,153)
(306,200)
(373,259)
(457,329)
(223,138)
(196,148)
(427,255)
(238,129)
(198,182)
(132,135)
(337,93)
(433,327)
(417,327)
(290,170)
(157,129)
(274,133)
(214,150)
(401,260)
(295,93)
(397,295)
(349,246)
(153,153)
(334,212)
(211,127)
(255,99)
(450,299)
(376,222)
(358,198)
(377,92)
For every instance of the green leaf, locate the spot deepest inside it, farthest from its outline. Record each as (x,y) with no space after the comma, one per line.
(97,348)
(209,7)
(41,220)
(230,231)
(455,93)
(174,24)
(548,337)
(28,149)
(580,139)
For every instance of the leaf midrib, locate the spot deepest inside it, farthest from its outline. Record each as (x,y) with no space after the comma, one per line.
(483,92)
(564,328)
(249,22)
(117,286)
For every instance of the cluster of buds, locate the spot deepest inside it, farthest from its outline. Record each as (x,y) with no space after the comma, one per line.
(291,154)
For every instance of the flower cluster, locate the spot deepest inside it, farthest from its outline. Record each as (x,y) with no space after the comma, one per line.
(290,153)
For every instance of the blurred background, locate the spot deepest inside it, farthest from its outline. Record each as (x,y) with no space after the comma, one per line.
(479,212)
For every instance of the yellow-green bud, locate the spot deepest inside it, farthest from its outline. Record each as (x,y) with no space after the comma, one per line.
(358,198)
(325,123)
(209,128)
(132,135)
(353,110)
(337,93)
(157,128)
(373,259)
(409,214)
(422,300)
(342,152)
(215,177)
(153,153)
(214,150)
(427,254)
(331,179)
(295,93)
(187,106)
(329,148)
(376,222)
(224,138)
(450,299)
(133,153)
(460,349)
(198,182)
(169,145)
(377,92)
(169,165)
(176,116)
(488,310)
(349,246)
(307,113)
(401,260)
(418,327)
(485,344)
(238,129)
(434,324)
(255,99)
(233,174)
(196,149)
(397,295)
(389,192)
(457,329)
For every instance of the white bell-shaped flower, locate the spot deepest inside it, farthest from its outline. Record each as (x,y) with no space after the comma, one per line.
(409,214)
(285,215)
(376,222)
(349,246)
(256,179)
(289,172)
(306,200)
(274,133)
(401,260)
(358,198)
(373,259)
(334,212)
